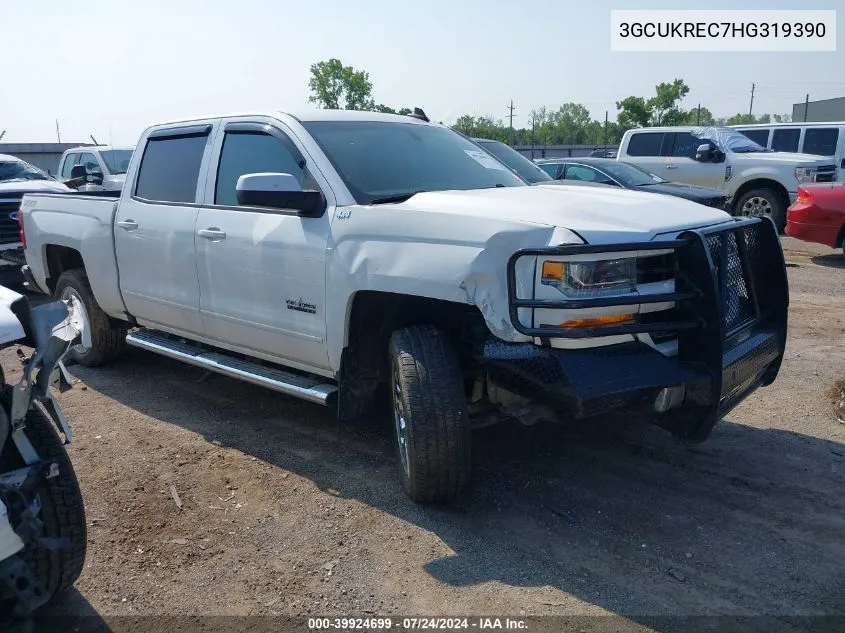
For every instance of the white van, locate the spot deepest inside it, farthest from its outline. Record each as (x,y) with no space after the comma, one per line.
(821,139)
(105,166)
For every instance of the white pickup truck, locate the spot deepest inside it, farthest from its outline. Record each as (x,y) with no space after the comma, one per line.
(758,181)
(328,254)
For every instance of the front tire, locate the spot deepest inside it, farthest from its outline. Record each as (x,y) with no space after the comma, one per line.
(431,422)
(107,335)
(62,509)
(762,202)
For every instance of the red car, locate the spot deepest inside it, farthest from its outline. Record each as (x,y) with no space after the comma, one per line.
(818,215)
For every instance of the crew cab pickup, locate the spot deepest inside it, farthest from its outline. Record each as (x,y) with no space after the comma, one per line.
(325,255)
(758,181)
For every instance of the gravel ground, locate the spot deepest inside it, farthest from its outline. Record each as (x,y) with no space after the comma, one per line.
(285,511)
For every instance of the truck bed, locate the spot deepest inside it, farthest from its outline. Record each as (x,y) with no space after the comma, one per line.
(80,222)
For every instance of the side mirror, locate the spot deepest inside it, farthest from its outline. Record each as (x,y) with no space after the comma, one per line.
(278,191)
(704,153)
(96,177)
(78,172)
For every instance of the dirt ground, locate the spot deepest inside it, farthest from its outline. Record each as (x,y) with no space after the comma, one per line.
(285,511)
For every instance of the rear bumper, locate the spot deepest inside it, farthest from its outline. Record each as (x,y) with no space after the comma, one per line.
(817,233)
(730,319)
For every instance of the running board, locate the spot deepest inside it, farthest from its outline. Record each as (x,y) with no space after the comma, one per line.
(291,383)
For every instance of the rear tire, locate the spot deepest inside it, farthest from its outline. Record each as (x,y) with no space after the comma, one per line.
(760,202)
(431,423)
(107,334)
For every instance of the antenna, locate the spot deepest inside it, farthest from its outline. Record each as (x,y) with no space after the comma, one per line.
(2,134)
(93,139)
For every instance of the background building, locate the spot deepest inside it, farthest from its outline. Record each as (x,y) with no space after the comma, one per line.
(823,110)
(43,155)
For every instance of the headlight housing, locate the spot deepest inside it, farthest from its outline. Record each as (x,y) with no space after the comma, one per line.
(595,278)
(805,174)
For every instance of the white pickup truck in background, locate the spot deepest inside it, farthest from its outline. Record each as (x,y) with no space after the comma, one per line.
(758,181)
(105,166)
(328,254)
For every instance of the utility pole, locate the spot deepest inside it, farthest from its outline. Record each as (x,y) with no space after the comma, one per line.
(605,133)
(751,105)
(510,117)
(58,134)
(698,115)
(533,129)
(806,107)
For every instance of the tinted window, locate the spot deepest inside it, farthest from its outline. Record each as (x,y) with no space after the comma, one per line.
(630,175)
(245,153)
(551,169)
(821,140)
(70,161)
(170,168)
(685,144)
(90,162)
(586,174)
(761,137)
(645,144)
(17,170)
(383,159)
(785,140)
(116,160)
(523,167)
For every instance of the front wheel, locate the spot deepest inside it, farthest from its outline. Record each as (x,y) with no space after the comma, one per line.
(762,202)
(431,422)
(62,511)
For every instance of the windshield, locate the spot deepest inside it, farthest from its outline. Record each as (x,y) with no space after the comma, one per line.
(523,167)
(630,175)
(380,159)
(15,170)
(727,139)
(117,160)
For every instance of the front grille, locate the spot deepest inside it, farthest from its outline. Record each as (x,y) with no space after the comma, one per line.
(729,250)
(9,229)
(825,174)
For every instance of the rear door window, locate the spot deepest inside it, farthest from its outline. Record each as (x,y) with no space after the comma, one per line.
(786,139)
(586,174)
(170,168)
(821,140)
(759,136)
(645,144)
(552,169)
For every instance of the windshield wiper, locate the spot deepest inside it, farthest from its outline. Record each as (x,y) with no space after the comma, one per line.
(399,197)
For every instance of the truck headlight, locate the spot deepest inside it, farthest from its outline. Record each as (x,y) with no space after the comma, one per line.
(591,278)
(805,174)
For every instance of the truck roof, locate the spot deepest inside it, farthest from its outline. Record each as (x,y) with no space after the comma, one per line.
(98,148)
(307,115)
(9,157)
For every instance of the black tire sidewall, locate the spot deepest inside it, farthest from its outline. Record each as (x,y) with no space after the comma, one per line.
(774,199)
(408,478)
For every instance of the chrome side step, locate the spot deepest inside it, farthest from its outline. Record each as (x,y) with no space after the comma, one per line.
(291,383)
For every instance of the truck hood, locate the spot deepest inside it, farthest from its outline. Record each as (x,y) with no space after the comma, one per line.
(33,186)
(599,215)
(799,160)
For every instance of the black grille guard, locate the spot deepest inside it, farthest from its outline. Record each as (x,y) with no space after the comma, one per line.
(731,299)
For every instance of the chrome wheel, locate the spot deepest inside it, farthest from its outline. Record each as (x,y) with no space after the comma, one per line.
(399,422)
(79,317)
(756,206)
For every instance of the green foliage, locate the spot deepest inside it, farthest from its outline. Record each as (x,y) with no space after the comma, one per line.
(749,119)
(338,87)
(633,112)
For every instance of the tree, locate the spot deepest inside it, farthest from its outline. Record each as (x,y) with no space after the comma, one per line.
(633,112)
(664,104)
(336,86)
(696,117)
(388,110)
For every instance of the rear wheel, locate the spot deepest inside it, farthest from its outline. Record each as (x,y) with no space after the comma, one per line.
(762,202)
(107,335)
(431,423)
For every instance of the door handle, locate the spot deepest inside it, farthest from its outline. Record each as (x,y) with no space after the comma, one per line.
(212,233)
(671,166)
(128,225)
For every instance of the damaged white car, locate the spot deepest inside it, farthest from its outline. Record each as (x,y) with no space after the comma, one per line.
(42,518)
(329,254)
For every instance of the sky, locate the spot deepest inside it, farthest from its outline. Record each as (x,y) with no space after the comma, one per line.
(110,68)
